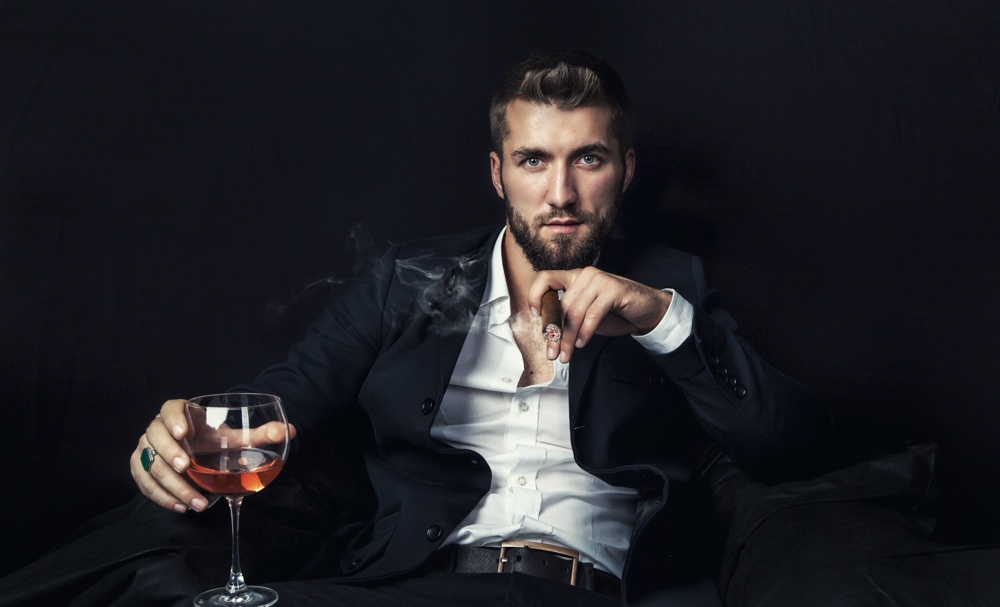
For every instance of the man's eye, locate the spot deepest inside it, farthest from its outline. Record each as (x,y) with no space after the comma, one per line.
(589,159)
(533,162)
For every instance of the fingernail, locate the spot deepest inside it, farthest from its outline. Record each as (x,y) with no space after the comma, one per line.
(178,431)
(179,463)
(180,508)
(563,358)
(198,504)
(550,352)
(579,342)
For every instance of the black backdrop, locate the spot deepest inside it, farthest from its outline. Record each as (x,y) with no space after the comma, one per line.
(179,182)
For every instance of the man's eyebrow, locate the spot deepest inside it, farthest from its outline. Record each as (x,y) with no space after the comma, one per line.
(529,153)
(591,148)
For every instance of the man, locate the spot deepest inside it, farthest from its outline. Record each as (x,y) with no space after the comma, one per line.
(482,432)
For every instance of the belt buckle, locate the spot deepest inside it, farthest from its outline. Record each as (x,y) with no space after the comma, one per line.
(558,550)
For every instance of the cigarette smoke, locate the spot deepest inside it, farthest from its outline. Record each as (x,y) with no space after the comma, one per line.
(360,247)
(443,291)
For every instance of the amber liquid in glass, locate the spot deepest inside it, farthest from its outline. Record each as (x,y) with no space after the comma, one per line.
(235,471)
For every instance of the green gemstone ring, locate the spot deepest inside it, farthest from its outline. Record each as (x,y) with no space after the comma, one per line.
(147,457)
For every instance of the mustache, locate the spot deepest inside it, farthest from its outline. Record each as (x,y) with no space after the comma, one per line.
(574,214)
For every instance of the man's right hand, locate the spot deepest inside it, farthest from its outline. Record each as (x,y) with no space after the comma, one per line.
(166,483)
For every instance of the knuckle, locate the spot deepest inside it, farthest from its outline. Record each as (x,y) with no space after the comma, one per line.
(156,471)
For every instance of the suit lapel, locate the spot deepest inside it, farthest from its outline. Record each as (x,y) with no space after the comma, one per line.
(472,273)
(585,359)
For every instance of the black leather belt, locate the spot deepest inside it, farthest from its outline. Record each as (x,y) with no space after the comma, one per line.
(533,558)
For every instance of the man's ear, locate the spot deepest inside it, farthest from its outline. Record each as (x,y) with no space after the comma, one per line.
(629,168)
(495,166)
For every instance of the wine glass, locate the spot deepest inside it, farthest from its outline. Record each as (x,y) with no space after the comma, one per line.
(238,444)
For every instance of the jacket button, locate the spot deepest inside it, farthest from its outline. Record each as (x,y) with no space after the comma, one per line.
(434,533)
(476,464)
(714,361)
(740,391)
(427,406)
(731,381)
(354,564)
(721,371)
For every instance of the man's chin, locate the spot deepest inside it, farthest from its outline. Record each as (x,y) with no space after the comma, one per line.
(560,258)
(545,250)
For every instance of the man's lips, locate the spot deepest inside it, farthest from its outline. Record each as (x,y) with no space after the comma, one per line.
(563,226)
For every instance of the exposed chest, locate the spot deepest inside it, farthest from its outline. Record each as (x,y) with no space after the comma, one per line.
(530,342)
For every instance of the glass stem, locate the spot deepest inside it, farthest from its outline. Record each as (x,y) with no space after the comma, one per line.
(236,584)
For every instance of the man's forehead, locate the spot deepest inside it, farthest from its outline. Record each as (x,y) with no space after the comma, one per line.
(539,124)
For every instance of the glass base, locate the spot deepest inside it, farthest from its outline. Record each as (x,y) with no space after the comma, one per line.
(253,596)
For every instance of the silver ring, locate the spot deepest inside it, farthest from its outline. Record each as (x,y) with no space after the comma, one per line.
(146,457)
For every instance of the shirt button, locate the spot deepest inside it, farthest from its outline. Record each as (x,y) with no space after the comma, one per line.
(502,309)
(506,380)
(565,372)
(522,481)
(524,406)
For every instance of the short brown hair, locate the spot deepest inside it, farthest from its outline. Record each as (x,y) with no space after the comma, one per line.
(567,79)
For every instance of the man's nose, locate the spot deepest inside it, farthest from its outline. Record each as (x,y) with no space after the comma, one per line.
(562,189)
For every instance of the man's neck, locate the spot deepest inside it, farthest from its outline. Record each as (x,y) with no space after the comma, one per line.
(518,271)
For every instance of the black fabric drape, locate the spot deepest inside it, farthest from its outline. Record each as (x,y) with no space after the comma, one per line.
(179,183)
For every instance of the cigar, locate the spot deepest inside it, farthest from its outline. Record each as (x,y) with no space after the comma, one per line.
(551,316)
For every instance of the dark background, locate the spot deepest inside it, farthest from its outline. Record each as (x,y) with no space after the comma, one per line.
(179,182)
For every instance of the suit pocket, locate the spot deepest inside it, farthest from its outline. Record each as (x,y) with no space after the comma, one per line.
(635,367)
(370,541)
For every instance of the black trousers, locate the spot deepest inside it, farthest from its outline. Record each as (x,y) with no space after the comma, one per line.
(140,555)
(480,590)
(438,589)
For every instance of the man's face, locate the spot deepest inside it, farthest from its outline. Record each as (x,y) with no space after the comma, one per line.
(562,176)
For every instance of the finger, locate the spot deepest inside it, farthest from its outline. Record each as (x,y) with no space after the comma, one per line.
(548,280)
(271,433)
(174,418)
(578,306)
(167,448)
(163,485)
(593,317)
(576,302)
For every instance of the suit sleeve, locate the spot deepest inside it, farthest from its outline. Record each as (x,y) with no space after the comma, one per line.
(768,422)
(325,371)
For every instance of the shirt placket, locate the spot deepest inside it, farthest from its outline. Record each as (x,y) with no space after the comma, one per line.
(521,436)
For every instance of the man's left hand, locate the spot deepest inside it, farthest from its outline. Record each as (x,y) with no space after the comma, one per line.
(595,302)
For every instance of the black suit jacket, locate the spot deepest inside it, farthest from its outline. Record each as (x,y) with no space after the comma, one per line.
(389,346)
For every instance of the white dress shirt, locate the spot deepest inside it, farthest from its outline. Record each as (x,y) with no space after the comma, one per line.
(538,493)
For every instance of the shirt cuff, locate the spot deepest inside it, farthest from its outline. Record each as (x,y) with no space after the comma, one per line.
(674,327)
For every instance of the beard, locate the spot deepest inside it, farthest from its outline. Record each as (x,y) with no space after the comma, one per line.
(562,251)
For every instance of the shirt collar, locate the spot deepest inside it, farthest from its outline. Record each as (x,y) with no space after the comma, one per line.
(496,281)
